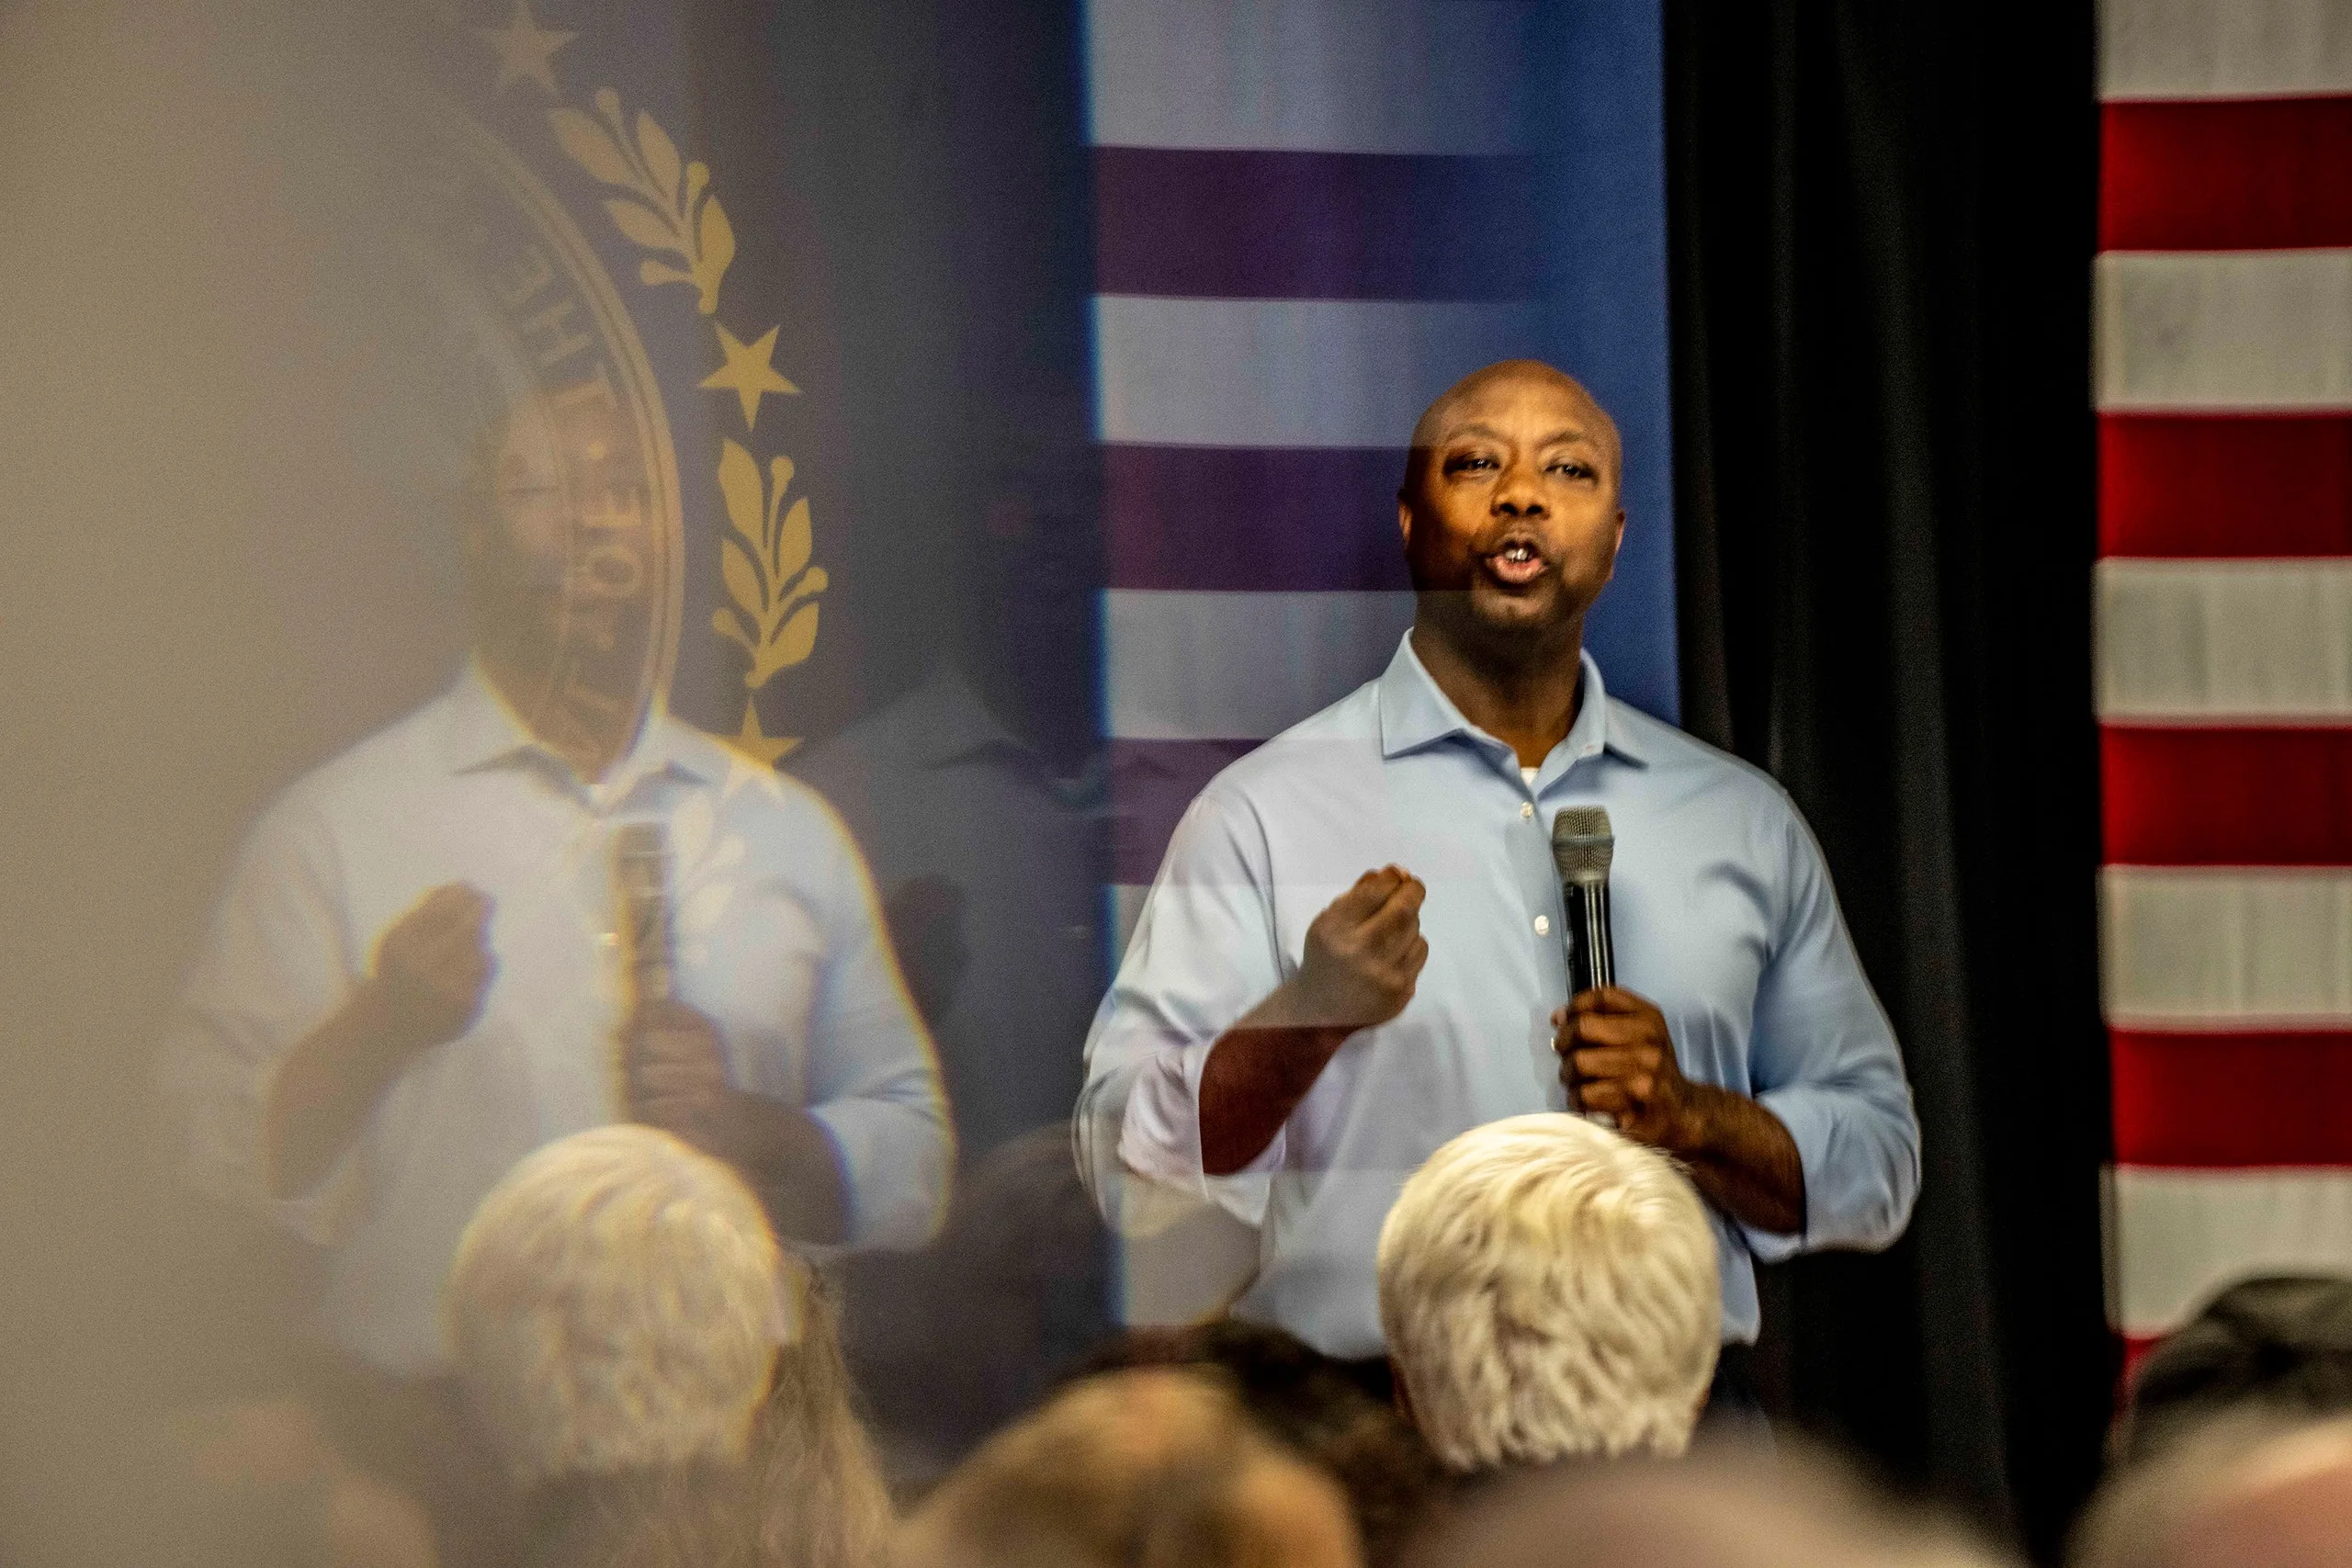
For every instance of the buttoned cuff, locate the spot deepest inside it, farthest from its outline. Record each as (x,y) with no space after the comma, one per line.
(1849,1200)
(1809,1124)
(1159,1137)
(230,1162)
(893,1162)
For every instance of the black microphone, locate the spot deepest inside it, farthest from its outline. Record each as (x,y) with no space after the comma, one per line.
(1582,846)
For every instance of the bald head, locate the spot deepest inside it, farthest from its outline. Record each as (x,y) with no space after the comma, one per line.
(1158,1466)
(1459,406)
(1511,517)
(2246,1490)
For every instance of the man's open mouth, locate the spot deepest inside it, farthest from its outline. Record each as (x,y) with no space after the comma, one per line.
(1516,562)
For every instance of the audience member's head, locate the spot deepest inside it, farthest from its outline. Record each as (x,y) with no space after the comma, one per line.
(2251,1490)
(1306,1399)
(617,1303)
(258,1483)
(654,1368)
(1548,1290)
(1733,1509)
(2281,1344)
(1149,1468)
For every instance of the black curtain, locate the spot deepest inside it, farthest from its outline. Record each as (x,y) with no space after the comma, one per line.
(1882,223)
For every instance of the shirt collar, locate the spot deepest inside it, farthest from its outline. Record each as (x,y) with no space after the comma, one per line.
(478,729)
(943,721)
(1414,713)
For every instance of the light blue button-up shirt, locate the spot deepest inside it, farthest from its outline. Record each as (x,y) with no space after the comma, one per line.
(778,942)
(1723,915)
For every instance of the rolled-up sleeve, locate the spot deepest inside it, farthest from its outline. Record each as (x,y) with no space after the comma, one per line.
(1203,953)
(1823,1060)
(275,963)
(874,1080)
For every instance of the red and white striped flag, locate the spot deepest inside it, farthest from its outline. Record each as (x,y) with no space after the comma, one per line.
(2224,636)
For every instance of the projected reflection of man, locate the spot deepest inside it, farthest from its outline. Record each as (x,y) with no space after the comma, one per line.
(419,972)
(981,796)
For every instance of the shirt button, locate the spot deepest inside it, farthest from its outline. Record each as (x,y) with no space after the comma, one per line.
(1526,810)
(1542,925)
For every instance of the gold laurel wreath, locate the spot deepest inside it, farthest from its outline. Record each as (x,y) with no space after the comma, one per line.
(767,580)
(671,212)
(675,213)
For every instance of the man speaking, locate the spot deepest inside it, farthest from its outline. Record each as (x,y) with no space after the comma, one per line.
(1353,950)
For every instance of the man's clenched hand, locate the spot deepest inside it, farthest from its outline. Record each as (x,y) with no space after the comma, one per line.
(1364,956)
(432,969)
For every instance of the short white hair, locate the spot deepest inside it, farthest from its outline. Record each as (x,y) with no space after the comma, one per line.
(1548,1289)
(618,1302)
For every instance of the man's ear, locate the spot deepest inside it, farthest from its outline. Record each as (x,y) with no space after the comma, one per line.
(1405,519)
(1399,1395)
(1618,547)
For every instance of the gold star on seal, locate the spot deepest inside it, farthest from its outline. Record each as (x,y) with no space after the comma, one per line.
(754,754)
(750,372)
(525,49)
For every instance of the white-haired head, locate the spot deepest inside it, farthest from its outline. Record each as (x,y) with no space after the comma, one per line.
(1548,1289)
(617,1303)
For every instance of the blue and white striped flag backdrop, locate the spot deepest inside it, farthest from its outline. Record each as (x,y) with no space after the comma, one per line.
(1313,216)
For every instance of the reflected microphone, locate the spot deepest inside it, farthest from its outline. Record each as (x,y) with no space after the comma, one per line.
(1582,847)
(641,885)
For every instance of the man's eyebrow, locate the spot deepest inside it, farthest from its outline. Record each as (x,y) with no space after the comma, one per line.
(1557,438)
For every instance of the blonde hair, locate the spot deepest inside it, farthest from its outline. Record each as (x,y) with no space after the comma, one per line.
(1548,1289)
(823,1501)
(617,1303)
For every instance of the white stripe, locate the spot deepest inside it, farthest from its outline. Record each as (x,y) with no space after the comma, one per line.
(2193,947)
(2180,1236)
(1240,666)
(2219,642)
(2230,49)
(2224,330)
(1286,372)
(1306,75)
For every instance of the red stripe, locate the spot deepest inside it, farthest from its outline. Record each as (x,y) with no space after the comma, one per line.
(1252,518)
(2224,486)
(2231,1099)
(2227,797)
(2135,1351)
(1261,225)
(2226,175)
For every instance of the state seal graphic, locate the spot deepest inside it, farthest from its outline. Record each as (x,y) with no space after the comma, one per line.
(578,482)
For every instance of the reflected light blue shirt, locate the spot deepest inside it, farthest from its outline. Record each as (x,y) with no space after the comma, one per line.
(1723,914)
(779,944)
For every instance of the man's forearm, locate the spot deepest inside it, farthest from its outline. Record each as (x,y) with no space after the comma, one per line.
(1257,1073)
(320,1094)
(1743,1160)
(785,1157)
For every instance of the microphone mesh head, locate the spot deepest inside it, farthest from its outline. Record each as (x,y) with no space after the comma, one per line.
(1582,844)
